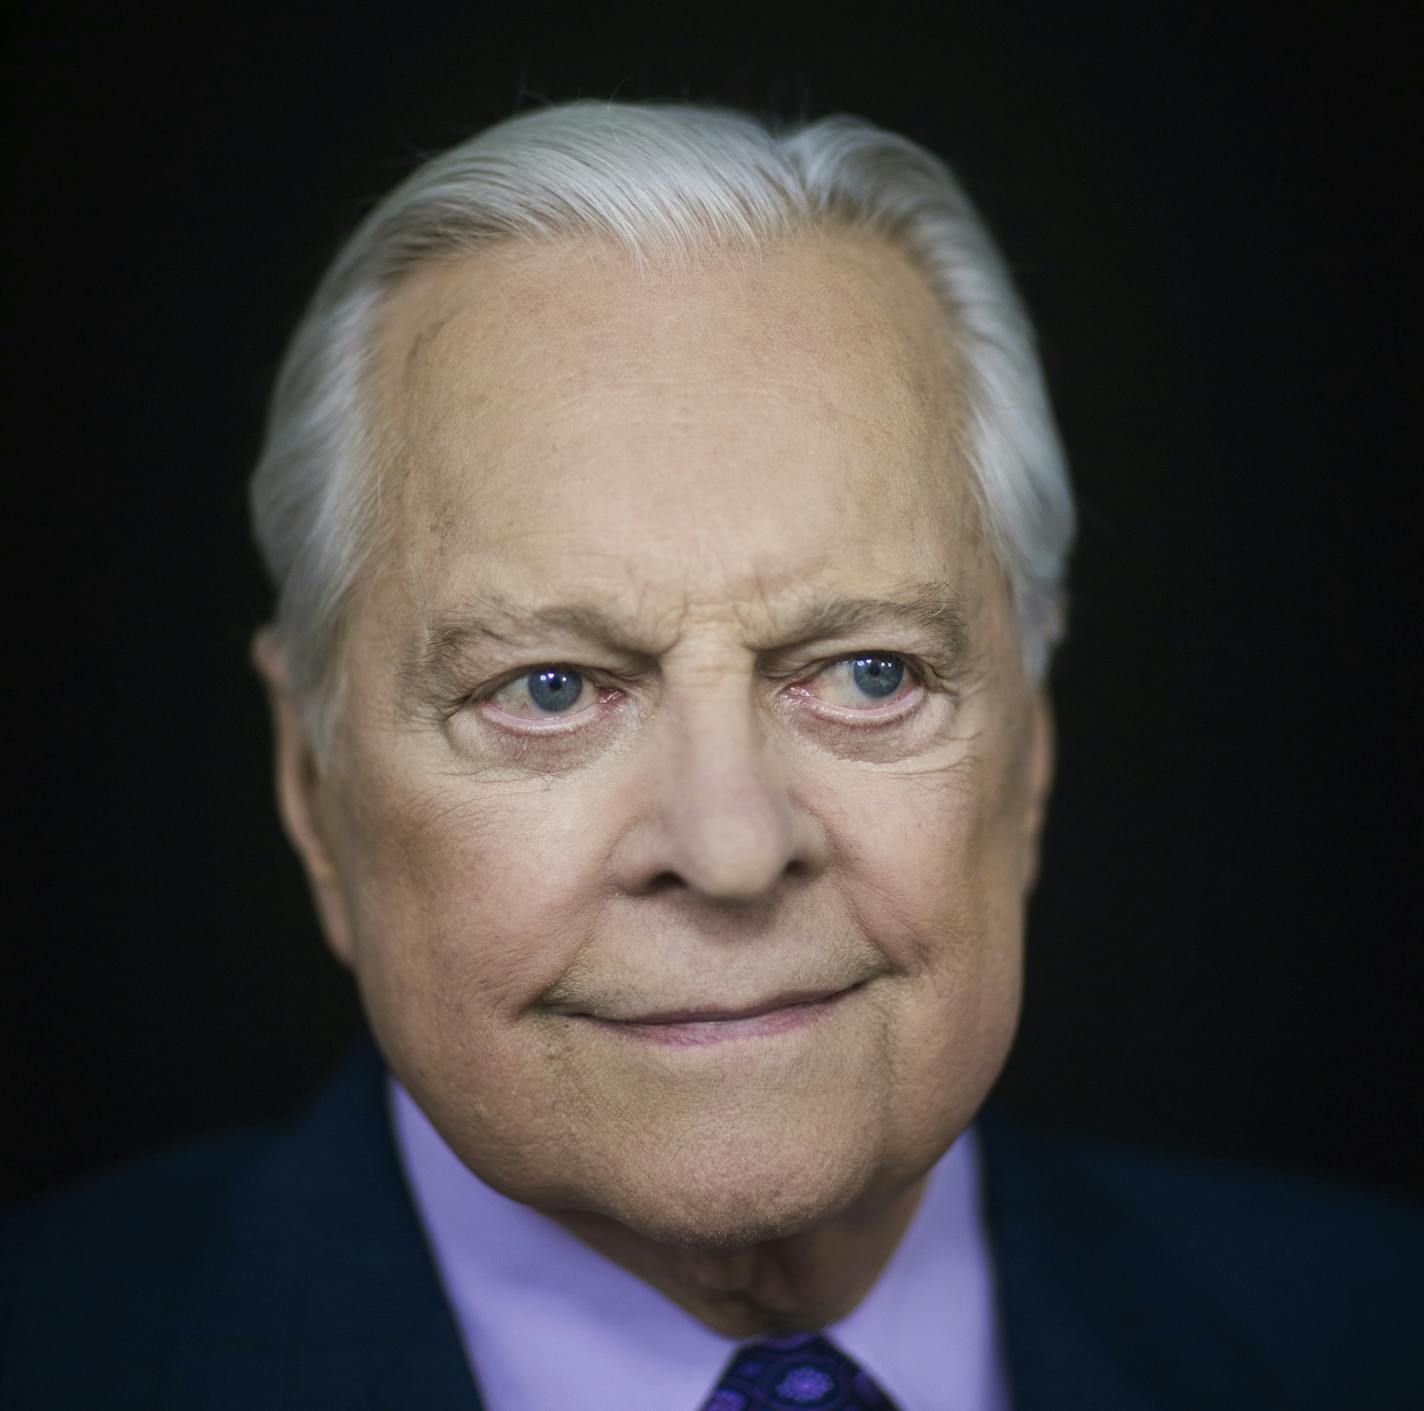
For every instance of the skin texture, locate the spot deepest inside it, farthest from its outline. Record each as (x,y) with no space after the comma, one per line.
(689,473)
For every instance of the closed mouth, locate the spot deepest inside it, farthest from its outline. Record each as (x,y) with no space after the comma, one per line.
(703,1025)
(713,1014)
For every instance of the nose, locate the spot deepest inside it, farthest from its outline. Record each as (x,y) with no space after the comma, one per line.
(721,820)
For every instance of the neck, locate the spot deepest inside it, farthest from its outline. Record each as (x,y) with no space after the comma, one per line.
(801,1282)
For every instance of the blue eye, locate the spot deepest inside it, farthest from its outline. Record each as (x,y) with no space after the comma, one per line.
(878,675)
(554,688)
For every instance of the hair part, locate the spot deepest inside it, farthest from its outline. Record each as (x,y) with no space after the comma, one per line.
(666,182)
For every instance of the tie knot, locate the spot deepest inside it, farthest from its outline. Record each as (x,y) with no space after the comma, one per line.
(801,1372)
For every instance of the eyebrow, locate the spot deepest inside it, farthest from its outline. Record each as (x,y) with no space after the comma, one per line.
(931,609)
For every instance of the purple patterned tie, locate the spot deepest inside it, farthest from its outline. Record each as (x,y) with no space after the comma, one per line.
(803,1372)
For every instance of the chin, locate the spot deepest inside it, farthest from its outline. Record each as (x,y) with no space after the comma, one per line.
(718,1226)
(717,1204)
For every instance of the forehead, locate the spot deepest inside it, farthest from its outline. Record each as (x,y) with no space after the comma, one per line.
(559,417)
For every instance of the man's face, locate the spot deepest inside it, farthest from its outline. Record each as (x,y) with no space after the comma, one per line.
(685,794)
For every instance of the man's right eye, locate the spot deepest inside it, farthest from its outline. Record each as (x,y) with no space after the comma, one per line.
(542,692)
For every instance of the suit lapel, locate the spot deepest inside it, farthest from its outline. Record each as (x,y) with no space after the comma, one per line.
(1097,1312)
(322,1291)
(1057,1358)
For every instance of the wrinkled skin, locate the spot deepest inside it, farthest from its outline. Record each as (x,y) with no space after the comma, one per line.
(689,475)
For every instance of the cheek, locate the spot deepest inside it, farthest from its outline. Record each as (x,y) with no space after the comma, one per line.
(931,872)
(928,862)
(469,900)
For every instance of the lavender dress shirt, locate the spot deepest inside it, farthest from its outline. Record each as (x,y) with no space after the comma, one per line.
(550,1325)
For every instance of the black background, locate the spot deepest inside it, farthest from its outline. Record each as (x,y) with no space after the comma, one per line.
(1206,210)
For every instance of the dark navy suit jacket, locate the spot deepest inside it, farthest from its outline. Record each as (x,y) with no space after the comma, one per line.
(274,1271)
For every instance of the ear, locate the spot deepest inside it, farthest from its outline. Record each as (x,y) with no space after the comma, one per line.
(304,796)
(1042,753)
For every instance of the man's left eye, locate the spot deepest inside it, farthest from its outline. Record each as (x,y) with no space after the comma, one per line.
(864,680)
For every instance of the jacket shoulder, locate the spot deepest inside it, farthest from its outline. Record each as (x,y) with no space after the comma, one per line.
(109,1264)
(1302,1289)
(280,1269)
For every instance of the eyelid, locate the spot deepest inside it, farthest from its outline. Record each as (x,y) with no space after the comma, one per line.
(607,696)
(796,674)
(911,663)
(919,677)
(516,673)
(891,708)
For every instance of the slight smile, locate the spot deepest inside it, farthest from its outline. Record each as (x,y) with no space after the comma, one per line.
(711,1025)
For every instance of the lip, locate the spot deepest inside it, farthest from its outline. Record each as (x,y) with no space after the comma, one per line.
(711,1014)
(710,1025)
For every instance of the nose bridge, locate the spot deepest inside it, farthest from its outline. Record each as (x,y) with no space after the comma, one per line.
(727,825)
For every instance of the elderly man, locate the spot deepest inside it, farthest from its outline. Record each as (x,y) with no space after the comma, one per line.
(669,528)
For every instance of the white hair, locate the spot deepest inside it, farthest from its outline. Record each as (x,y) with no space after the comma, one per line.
(662,181)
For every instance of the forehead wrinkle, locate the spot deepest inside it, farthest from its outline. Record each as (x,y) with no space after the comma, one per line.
(493,617)
(930,607)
